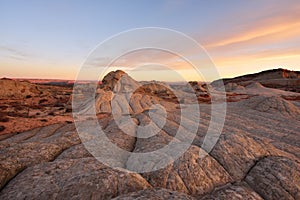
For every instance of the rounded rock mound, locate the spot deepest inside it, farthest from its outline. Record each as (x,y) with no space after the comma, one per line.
(271,105)
(118,81)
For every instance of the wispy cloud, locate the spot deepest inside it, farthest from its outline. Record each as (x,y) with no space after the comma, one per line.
(13,53)
(282,26)
(268,37)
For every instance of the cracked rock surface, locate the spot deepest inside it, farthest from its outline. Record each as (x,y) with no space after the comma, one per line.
(256,156)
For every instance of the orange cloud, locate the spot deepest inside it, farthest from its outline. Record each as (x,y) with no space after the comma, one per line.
(282,30)
(272,24)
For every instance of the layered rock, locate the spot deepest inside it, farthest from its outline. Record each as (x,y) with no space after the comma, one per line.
(77,178)
(118,81)
(275,178)
(255,157)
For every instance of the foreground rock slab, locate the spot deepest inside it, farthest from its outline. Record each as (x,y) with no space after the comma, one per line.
(154,194)
(76,178)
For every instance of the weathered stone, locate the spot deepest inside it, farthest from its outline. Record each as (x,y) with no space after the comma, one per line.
(16,157)
(275,178)
(256,156)
(154,194)
(237,153)
(234,192)
(82,178)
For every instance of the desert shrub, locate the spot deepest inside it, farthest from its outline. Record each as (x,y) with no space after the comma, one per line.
(36,106)
(3,107)
(3,117)
(2,128)
(17,114)
(43,101)
(18,107)
(58,104)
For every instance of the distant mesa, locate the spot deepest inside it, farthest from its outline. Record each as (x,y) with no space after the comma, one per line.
(4,78)
(276,78)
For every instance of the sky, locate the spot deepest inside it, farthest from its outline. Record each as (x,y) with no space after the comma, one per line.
(54,38)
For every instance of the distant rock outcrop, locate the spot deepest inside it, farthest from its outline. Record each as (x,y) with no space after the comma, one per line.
(230,87)
(12,89)
(272,104)
(199,88)
(276,78)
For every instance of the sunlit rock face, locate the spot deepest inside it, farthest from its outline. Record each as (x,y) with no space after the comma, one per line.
(118,81)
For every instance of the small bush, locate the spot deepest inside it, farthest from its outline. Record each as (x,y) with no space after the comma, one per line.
(2,128)
(42,101)
(3,117)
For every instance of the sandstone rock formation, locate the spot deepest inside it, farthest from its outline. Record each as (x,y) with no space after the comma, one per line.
(256,156)
(119,81)
(234,192)
(276,178)
(272,104)
(277,78)
(154,194)
(12,89)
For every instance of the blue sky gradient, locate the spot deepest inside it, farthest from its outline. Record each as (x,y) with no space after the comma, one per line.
(51,39)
